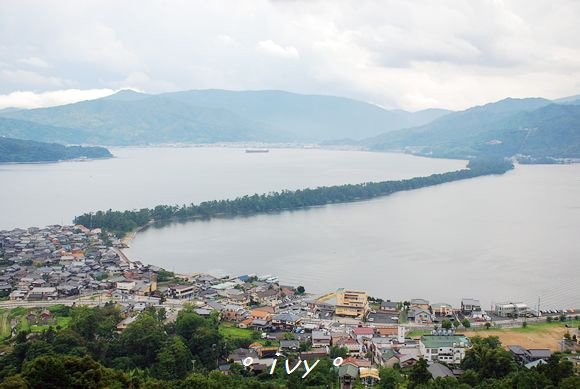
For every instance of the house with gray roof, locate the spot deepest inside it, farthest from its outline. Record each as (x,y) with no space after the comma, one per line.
(439,370)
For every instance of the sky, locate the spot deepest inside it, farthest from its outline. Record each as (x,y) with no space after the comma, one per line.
(403,54)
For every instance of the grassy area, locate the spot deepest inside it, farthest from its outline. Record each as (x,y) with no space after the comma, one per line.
(17,312)
(229,330)
(533,327)
(38,328)
(4,324)
(63,321)
(535,335)
(417,333)
(20,315)
(24,326)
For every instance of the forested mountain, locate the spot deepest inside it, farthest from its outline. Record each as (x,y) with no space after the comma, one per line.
(208,116)
(535,127)
(532,127)
(23,129)
(16,150)
(309,117)
(153,119)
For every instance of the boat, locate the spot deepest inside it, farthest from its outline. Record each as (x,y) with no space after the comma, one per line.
(257,150)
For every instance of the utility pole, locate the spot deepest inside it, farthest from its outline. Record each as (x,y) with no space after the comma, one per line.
(538,313)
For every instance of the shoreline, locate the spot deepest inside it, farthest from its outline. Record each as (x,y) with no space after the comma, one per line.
(9,163)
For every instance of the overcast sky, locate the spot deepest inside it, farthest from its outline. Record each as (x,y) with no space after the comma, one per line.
(398,54)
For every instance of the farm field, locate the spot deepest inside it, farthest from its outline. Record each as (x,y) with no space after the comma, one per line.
(541,335)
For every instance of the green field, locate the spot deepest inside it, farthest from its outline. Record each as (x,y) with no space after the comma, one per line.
(19,315)
(533,327)
(4,324)
(229,330)
(416,334)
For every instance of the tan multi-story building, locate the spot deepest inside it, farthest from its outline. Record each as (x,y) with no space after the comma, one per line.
(351,303)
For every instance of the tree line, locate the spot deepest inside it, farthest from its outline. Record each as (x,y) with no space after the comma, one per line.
(121,222)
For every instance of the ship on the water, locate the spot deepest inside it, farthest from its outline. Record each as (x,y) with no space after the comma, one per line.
(257,150)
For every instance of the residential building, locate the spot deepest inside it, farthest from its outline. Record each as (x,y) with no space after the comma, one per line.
(442,309)
(511,309)
(525,356)
(420,316)
(49,293)
(182,292)
(347,374)
(352,303)
(444,348)
(350,344)
(266,297)
(389,358)
(363,333)
(419,303)
(320,339)
(369,376)
(261,314)
(285,321)
(233,312)
(289,345)
(469,305)
(439,370)
(389,306)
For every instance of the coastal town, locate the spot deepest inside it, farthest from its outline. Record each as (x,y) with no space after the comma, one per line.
(75,265)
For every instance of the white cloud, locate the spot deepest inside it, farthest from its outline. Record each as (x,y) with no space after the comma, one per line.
(272,48)
(34,61)
(226,39)
(409,54)
(30,80)
(27,99)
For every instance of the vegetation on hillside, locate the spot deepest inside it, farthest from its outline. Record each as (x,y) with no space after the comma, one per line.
(151,353)
(207,116)
(16,150)
(533,129)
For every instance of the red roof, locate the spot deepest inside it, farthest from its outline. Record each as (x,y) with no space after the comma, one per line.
(357,362)
(363,331)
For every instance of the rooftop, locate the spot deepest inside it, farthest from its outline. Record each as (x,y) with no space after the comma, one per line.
(438,341)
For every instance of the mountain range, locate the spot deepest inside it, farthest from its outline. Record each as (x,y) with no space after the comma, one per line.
(206,116)
(534,127)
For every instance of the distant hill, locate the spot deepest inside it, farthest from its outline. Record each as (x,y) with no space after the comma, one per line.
(309,117)
(533,127)
(152,119)
(16,150)
(126,95)
(23,129)
(207,116)
(574,100)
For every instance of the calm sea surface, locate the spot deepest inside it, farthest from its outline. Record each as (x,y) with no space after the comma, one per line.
(42,194)
(513,237)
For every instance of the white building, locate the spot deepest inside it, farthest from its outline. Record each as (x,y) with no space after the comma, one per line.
(444,348)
